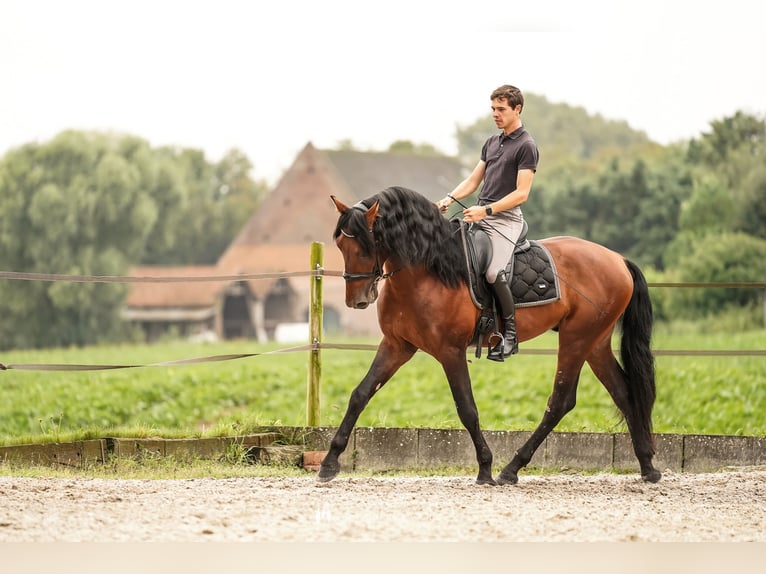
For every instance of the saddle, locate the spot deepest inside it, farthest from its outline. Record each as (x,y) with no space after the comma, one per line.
(534,280)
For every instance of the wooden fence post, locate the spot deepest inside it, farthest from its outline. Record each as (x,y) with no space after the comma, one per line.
(315,337)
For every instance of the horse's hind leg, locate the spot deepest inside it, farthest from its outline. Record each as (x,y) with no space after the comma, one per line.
(561,401)
(386,362)
(611,375)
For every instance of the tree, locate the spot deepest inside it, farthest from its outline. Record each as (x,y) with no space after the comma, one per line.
(738,132)
(95,204)
(713,258)
(81,205)
(217,200)
(410,148)
(735,150)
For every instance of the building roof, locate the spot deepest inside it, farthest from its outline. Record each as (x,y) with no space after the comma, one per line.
(174,294)
(367,173)
(299,210)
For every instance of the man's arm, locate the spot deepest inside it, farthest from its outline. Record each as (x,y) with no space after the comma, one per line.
(465,187)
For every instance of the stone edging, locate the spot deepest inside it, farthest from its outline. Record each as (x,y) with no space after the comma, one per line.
(411,448)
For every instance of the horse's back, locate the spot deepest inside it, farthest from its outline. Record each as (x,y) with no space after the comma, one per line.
(568,250)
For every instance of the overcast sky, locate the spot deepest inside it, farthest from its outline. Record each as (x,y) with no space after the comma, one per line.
(267,76)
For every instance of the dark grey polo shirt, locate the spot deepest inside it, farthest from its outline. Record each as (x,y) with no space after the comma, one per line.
(504,156)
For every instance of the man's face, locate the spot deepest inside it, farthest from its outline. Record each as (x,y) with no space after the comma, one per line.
(506,118)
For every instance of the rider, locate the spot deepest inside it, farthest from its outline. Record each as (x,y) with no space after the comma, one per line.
(507,166)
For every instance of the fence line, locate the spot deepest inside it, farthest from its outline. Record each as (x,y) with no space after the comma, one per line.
(315,345)
(16,275)
(24,276)
(339,346)
(723,284)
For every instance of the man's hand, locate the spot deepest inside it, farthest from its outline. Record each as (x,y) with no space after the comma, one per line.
(474,213)
(444,203)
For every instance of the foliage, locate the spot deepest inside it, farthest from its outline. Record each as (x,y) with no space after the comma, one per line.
(720,395)
(79,205)
(215,202)
(410,148)
(95,204)
(735,151)
(724,258)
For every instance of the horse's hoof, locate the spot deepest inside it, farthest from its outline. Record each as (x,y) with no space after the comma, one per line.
(507,478)
(490,481)
(327,472)
(652,476)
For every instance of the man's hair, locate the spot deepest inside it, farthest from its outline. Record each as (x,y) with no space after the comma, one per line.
(511,94)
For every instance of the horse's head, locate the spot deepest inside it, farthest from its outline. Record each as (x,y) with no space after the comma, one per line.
(354,237)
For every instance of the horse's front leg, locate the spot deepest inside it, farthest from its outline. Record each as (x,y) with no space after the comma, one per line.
(456,368)
(387,361)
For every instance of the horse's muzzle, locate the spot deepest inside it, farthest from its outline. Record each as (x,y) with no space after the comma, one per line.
(361,298)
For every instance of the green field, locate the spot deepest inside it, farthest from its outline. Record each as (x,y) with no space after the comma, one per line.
(705,395)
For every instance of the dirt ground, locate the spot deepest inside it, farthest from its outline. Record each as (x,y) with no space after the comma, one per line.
(727,506)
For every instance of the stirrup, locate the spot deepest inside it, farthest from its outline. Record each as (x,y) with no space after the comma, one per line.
(495,353)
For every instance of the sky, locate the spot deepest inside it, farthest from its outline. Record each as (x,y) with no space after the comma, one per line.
(267,77)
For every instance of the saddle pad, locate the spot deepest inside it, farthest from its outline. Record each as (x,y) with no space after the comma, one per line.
(535,281)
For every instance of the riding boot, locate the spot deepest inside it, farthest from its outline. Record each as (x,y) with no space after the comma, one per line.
(510,343)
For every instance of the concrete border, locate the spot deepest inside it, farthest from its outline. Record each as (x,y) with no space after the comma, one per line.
(381,449)
(376,449)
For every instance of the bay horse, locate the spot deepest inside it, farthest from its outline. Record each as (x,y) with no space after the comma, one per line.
(400,236)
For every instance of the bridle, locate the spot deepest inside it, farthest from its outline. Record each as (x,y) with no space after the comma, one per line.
(377,272)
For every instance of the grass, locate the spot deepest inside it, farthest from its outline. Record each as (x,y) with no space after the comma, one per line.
(701,395)
(157,469)
(175,469)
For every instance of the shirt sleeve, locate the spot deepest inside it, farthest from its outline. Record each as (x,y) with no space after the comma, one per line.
(528,156)
(484,151)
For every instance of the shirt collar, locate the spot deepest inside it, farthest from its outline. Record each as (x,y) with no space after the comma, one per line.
(513,135)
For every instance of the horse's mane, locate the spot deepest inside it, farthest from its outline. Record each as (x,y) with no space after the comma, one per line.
(411,228)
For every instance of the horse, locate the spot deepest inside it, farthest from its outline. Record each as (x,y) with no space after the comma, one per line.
(400,237)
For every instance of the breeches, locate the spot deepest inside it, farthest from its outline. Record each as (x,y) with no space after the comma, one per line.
(503,230)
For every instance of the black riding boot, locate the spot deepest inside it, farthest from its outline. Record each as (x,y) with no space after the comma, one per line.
(510,343)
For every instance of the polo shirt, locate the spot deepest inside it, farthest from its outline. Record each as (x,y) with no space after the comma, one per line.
(504,155)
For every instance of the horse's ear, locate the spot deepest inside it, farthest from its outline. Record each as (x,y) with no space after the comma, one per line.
(339,205)
(371,215)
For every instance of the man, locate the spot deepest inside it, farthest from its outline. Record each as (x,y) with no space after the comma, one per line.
(507,167)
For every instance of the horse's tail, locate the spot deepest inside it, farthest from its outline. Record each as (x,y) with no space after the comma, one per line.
(636,352)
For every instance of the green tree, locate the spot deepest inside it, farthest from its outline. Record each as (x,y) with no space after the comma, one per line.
(409,148)
(735,151)
(81,205)
(222,197)
(95,204)
(714,258)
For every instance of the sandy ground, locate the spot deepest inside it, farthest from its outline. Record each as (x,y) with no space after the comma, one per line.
(727,506)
